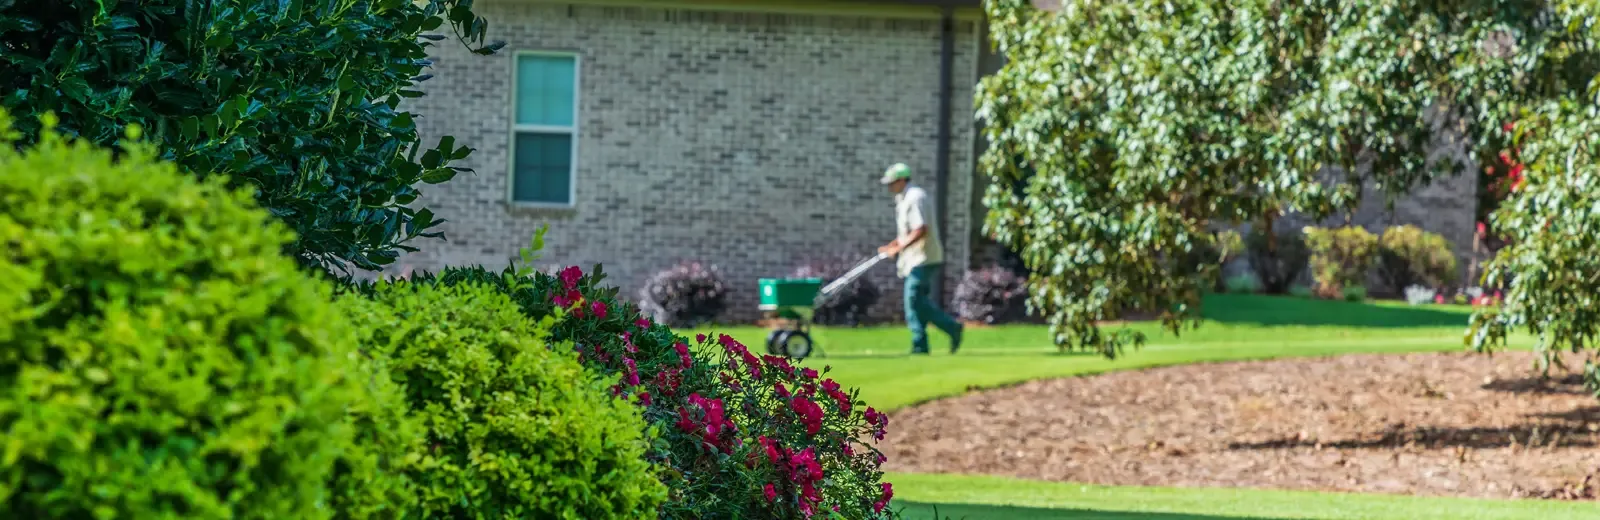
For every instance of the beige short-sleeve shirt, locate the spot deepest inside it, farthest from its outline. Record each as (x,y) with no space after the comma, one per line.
(914,209)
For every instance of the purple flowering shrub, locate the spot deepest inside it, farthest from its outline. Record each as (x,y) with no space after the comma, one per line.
(991,295)
(685,295)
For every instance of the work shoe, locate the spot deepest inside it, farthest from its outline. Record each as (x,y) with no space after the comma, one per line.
(955,339)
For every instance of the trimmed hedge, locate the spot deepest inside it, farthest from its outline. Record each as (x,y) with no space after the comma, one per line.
(513,428)
(159,357)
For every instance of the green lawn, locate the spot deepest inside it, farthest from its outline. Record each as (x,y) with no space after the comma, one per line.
(1237,328)
(875,359)
(980,497)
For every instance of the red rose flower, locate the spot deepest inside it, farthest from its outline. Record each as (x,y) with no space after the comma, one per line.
(772,494)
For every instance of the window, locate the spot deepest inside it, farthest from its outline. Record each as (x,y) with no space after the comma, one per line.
(544,131)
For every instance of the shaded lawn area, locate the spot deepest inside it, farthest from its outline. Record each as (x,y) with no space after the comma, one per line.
(981,497)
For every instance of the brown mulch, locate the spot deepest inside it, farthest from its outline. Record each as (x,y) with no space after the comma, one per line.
(1428,424)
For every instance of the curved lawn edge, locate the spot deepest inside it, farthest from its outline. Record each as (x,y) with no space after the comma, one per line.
(981,496)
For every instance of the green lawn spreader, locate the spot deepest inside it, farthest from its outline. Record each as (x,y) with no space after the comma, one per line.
(791,305)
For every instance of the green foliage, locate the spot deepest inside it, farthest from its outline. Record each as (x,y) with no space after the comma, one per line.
(297,100)
(1278,259)
(1122,131)
(713,468)
(1409,256)
(1301,291)
(159,358)
(514,428)
(1340,258)
(1552,224)
(1354,293)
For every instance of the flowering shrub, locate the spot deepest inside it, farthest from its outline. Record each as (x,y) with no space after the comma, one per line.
(850,305)
(685,295)
(1419,295)
(991,295)
(740,436)
(1340,258)
(1408,256)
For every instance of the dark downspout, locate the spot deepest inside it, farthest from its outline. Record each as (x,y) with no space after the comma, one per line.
(947,49)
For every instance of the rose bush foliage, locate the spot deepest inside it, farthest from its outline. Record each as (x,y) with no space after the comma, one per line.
(740,435)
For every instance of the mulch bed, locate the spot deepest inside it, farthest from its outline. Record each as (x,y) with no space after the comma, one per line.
(1426,424)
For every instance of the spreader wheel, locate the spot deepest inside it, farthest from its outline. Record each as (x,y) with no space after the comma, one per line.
(796,344)
(775,342)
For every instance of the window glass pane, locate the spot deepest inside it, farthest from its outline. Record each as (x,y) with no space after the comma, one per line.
(545,90)
(543,170)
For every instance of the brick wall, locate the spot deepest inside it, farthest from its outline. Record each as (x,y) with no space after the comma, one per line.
(744,140)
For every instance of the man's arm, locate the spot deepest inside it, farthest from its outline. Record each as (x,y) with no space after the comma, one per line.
(899,244)
(919,229)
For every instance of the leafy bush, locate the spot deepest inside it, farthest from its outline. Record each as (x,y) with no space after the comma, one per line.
(708,408)
(850,306)
(1207,258)
(1301,291)
(991,295)
(1354,293)
(1278,259)
(514,429)
(1409,256)
(299,101)
(685,295)
(1340,258)
(1244,284)
(161,358)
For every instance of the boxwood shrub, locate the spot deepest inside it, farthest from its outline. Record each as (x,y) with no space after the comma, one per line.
(512,427)
(159,357)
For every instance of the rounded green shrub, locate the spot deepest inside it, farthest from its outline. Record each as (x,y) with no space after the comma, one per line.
(159,357)
(513,428)
(1409,256)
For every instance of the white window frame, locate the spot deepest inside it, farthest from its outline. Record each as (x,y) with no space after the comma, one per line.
(511,151)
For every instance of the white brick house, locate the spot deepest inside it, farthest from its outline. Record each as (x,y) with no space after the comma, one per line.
(742,133)
(747,134)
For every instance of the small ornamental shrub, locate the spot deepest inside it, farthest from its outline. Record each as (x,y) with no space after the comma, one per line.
(1278,260)
(1354,293)
(513,428)
(301,102)
(159,357)
(1301,291)
(685,295)
(1244,284)
(849,306)
(1340,258)
(1409,256)
(710,410)
(991,295)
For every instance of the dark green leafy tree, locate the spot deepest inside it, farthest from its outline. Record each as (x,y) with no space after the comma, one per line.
(298,99)
(1136,128)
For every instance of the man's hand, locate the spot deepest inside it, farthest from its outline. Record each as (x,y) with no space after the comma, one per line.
(891,249)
